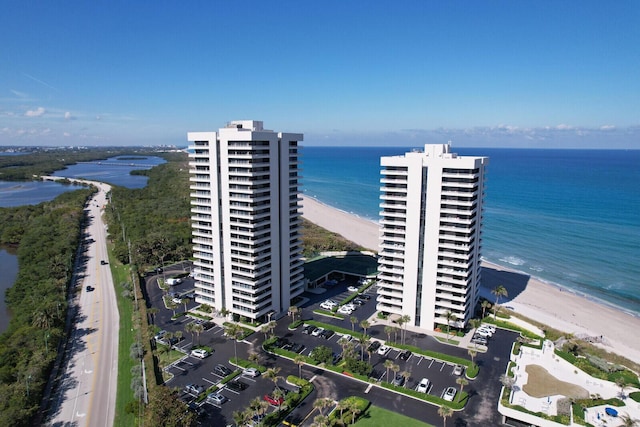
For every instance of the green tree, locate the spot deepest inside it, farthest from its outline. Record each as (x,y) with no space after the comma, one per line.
(445,412)
(499,292)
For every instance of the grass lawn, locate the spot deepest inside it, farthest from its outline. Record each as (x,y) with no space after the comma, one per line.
(126,338)
(375,417)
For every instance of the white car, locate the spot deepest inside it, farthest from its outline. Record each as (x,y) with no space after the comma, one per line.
(199,353)
(484,333)
(345,310)
(449,394)
(423,385)
(353,289)
(327,306)
(317,332)
(251,372)
(345,338)
(383,350)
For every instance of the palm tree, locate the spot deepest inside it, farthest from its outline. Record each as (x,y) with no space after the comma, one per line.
(395,368)
(152,312)
(627,421)
(363,341)
(355,410)
(353,320)
(241,417)
(190,329)
(265,330)
(405,320)
(449,316)
(406,375)
(388,330)
(462,381)
(341,406)
(475,323)
(444,411)
(293,310)
(507,381)
(198,328)
(234,331)
(320,421)
(364,325)
(472,355)
(620,382)
(253,357)
(299,360)
(499,291)
(224,312)
(272,375)
(388,364)
(322,403)
(485,305)
(172,306)
(271,326)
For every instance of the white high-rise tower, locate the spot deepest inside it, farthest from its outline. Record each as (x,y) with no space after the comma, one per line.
(245,208)
(430,231)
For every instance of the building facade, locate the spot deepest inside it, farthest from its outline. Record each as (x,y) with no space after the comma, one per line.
(431,236)
(245,215)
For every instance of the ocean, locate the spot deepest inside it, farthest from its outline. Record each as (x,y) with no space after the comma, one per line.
(570,218)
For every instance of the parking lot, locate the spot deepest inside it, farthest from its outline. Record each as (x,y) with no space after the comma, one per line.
(191,370)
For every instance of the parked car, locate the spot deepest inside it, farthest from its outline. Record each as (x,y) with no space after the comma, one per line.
(251,372)
(359,302)
(352,288)
(297,348)
(398,380)
(308,329)
(274,399)
(345,338)
(484,333)
(479,340)
(160,335)
(458,370)
(449,394)
(222,370)
(364,296)
(327,306)
(216,398)
(194,389)
(336,358)
(383,350)
(327,333)
(237,386)
(200,353)
(423,386)
(405,355)
(345,310)
(374,346)
(316,332)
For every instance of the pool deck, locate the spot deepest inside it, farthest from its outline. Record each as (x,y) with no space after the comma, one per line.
(564,371)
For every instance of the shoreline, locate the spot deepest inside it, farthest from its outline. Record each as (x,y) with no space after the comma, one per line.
(549,304)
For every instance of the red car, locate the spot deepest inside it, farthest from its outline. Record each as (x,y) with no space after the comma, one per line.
(273,400)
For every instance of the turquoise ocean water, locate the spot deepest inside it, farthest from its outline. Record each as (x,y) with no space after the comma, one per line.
(567,217)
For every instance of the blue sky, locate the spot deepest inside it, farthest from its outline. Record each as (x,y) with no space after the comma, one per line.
(479,73)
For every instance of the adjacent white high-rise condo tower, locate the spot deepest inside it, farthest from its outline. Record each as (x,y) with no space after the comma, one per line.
(245,209)
(430,236)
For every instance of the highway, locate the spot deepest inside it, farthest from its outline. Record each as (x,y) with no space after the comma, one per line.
(86,391)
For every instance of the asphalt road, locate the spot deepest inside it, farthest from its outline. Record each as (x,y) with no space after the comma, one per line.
(86,391)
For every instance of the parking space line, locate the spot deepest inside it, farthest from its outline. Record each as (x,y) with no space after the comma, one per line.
(442,367)
(431,363)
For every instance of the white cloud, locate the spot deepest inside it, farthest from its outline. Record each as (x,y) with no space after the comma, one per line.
(68,116)
(67,134)
(19,94)
(607,127)
(35,113)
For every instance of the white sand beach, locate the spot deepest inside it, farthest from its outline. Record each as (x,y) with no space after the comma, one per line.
(528,296)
